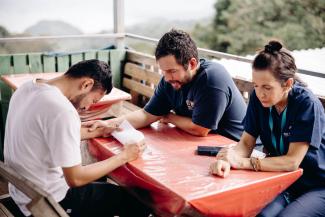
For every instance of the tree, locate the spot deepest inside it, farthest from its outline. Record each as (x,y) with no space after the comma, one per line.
(4,32)
(242,26)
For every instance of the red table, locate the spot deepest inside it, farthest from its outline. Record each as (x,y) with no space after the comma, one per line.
(175,181)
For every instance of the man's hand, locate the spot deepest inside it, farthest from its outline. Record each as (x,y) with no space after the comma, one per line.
(131,152)
(220,168)
(185,123)
(164,119)
(104,127)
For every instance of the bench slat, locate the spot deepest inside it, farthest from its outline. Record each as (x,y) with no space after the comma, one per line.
(4,212)
(138,72)
(138,87)
(42,203)
(133,56)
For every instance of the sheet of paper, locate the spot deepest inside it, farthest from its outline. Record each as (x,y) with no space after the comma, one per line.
(128,135)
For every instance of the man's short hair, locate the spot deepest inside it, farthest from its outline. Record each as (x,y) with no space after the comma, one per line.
(98,70)
(177,43)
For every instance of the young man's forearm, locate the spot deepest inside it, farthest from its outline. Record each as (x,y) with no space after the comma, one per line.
(81,175)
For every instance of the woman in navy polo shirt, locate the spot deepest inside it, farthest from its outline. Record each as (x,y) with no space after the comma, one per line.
(290,121)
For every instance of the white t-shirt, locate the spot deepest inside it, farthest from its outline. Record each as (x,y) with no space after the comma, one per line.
(42,136)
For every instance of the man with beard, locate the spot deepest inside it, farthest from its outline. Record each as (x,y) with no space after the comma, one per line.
(198,96)
(43,131)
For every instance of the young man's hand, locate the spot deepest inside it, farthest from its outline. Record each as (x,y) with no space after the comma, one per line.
(131,152)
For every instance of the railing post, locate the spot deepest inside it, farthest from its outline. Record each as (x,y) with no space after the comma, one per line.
(119,22)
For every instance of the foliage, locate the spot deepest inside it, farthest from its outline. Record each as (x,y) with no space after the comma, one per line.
(242,26)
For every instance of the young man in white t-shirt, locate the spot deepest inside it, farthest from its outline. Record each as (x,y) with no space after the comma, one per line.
(42,143)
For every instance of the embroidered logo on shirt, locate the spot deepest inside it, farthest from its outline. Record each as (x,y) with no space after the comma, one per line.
(286,134)
(190,104)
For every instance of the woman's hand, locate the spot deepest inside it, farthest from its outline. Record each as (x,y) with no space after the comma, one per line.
(229,155)
(220,168)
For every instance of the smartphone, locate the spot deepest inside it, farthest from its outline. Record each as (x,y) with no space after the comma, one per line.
(208,150)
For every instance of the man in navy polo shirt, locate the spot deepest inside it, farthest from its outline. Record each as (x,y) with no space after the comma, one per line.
(198,96)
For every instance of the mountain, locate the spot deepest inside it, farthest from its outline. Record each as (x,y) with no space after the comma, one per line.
(52,27)
(157,27)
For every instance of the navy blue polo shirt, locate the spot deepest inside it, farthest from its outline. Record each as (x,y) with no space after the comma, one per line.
(211,99)
(305,122)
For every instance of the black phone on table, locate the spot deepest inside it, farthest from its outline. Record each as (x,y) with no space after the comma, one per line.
(208,150)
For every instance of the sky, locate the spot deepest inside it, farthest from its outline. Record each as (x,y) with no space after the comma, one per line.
(93,16)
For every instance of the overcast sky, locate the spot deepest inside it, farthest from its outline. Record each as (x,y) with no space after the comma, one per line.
(92,16)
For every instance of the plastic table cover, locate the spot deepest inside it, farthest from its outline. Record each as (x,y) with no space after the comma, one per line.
(172,179)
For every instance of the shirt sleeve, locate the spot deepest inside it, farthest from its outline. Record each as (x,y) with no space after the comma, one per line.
(64,140)
(209,107)
(307,125)
(250,121)
(159,104)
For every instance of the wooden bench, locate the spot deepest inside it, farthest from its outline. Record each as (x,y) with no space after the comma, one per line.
(141,76)
(42,204)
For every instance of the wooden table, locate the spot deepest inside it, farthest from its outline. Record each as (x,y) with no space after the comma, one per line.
(172,179)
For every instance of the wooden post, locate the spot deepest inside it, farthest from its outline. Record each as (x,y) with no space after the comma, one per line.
(119,22)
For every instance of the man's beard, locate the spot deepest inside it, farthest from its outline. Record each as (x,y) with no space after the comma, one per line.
(181,83)
(77,101)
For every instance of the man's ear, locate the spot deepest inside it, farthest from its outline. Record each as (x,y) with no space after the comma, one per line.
(193,63)
(86,84)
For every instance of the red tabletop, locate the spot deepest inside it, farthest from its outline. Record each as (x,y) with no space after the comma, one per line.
(174,180)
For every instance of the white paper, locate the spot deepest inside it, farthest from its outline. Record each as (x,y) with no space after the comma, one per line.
(128,135)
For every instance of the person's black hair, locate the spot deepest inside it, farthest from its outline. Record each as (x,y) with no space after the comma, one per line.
(179,44)
(98,70)
(278,60)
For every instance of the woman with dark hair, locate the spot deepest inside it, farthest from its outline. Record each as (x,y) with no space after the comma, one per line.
(290,121)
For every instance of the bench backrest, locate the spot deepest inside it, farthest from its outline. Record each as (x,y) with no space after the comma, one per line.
(141,76)
(42,204)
